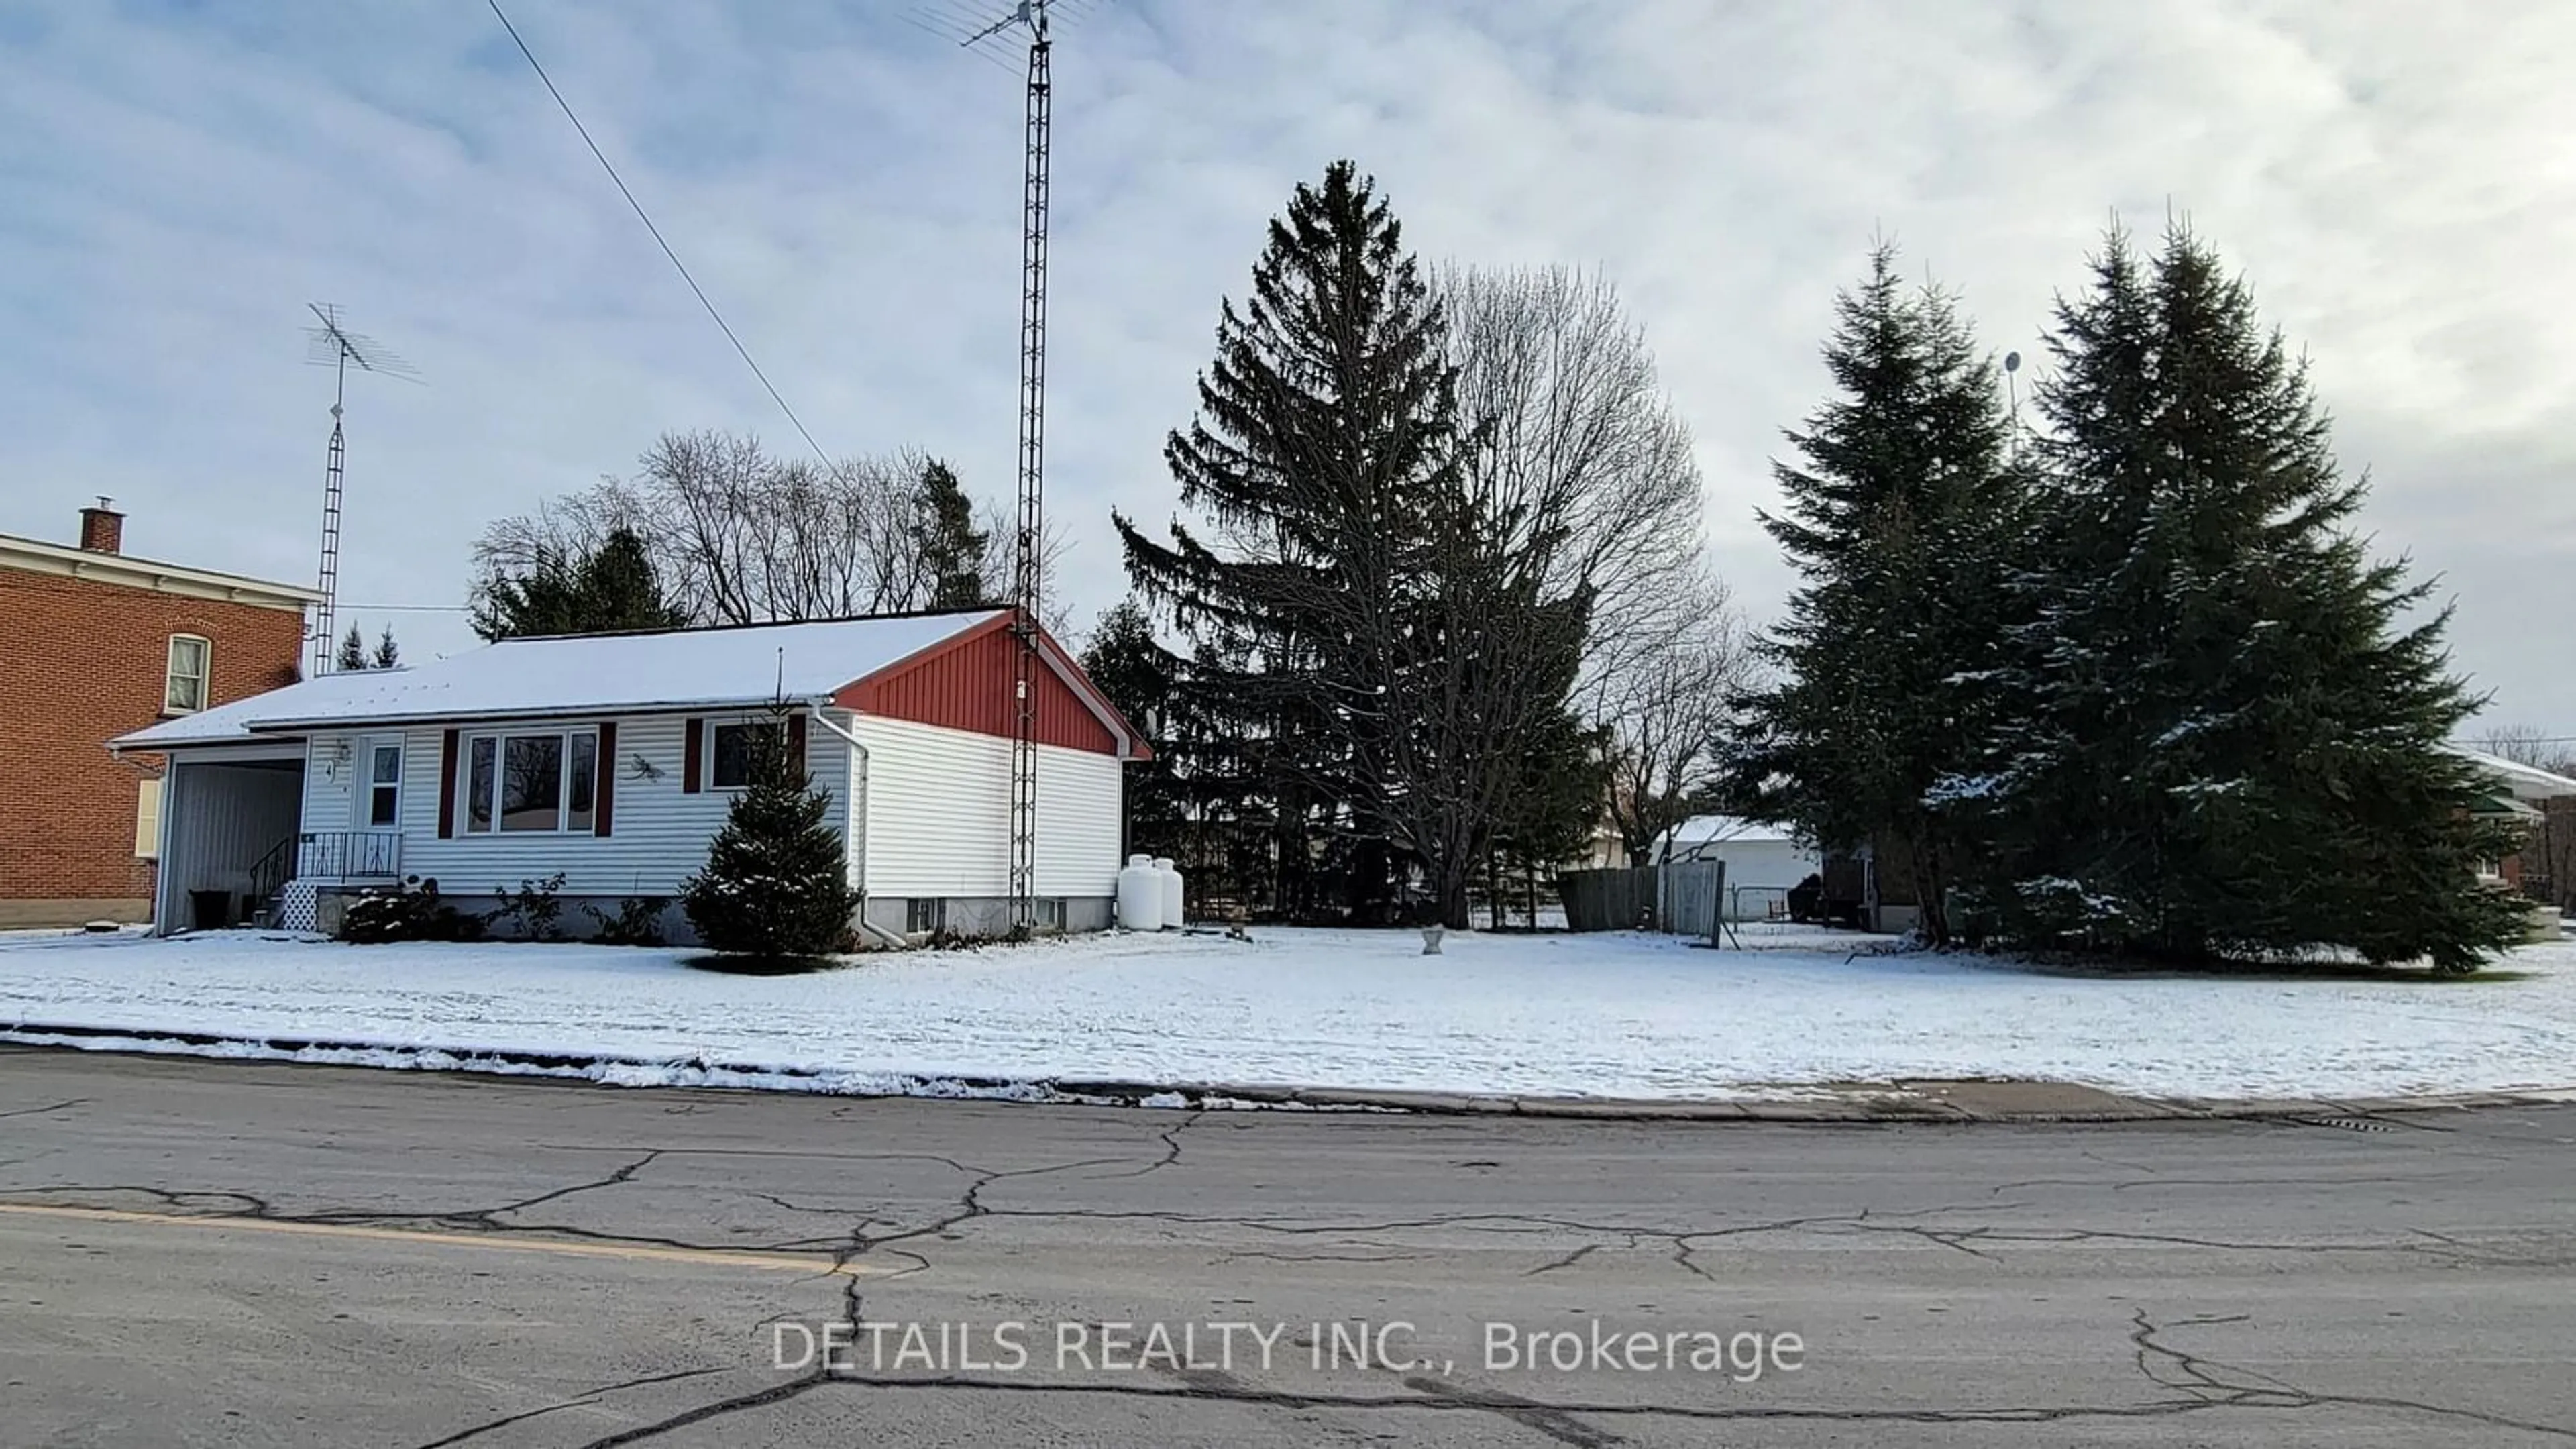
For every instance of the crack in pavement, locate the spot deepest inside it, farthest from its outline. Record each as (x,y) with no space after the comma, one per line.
(2203,1378)
(40,1111)
(2133,1184)
(1687,1243)
(861,1243)
(1435,1396)
(586,1398)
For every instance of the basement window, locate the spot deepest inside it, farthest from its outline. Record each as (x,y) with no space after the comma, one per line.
(183,689)
(924,913)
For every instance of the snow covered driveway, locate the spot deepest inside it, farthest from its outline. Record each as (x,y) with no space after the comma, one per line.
(1609,1016)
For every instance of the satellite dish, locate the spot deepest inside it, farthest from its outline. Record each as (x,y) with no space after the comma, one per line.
(2012,362)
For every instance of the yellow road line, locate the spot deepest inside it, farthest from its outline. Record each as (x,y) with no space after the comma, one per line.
(646,1252)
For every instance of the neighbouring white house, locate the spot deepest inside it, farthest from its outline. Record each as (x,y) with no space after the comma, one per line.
(1763,861)
(612,759)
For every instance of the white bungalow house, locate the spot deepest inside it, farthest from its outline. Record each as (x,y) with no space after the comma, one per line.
(612,759)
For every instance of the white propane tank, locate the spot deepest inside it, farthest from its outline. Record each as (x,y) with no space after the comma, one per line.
(1171,882)
(1140,895)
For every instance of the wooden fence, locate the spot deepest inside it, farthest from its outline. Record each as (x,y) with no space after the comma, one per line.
(1681,900)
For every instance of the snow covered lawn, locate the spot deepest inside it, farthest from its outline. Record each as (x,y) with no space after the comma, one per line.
(1609,1015)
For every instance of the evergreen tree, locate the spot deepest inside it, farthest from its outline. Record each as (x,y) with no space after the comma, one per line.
(776,884)
(612,588)
(388,654)
(619,589)
(2223,737)
(1902,516)
(1326,423)
(1137,675)
(952,547)
(353,651)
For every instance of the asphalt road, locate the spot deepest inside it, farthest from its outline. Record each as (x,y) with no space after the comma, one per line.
(195,1252)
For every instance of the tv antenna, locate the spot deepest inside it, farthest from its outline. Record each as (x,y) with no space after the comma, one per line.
(1028,542)
(338,348)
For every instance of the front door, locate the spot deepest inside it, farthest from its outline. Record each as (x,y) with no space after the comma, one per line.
(379,803)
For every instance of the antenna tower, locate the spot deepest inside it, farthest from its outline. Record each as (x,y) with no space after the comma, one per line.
(1028,544)
(338,348)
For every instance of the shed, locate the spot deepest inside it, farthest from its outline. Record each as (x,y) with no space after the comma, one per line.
(1763,861)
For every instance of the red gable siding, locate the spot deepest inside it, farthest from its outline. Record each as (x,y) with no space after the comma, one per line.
(967,685)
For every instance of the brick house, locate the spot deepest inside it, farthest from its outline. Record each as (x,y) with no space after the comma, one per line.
(98,644)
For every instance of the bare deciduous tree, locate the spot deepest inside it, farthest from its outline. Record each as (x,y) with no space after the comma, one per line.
(738,536)
(1581,451)
(2528,745)
(1665,714)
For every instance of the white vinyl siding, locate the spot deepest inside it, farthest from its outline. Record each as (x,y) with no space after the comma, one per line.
(658,836)
(939,815)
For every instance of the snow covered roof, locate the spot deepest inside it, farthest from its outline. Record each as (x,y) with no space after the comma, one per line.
(2526,782)
(584,674)
(1713,829)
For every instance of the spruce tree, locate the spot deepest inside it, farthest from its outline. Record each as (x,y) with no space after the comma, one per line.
(610,588)
(2225,736)
(353,651)
(1137,674)
(1326,422)
(617,588)
(776,884)
(1901,514)
(952,547)
(388,654)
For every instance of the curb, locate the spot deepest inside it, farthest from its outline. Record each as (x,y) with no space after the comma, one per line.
(1957,1101)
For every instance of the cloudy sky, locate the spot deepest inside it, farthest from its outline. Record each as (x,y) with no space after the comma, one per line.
(181,178)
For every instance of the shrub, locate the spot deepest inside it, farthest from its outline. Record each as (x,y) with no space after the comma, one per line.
(776,882)
(532,912)
(412,911)
(638,922)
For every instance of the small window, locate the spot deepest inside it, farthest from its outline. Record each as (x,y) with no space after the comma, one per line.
(581,782)
(479,773)
(147,820)
(729,750)
(183,688)
(924,913)
(384,784)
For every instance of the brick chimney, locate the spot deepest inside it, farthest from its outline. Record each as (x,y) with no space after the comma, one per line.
(102,528)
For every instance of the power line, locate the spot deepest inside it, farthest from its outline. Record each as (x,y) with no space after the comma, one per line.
(657,233)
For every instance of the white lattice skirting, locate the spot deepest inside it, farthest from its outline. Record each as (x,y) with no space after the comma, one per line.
(298,908)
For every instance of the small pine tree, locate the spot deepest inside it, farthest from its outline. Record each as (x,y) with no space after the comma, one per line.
(388,653)
(353,651)
(776,884)
(952,547)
